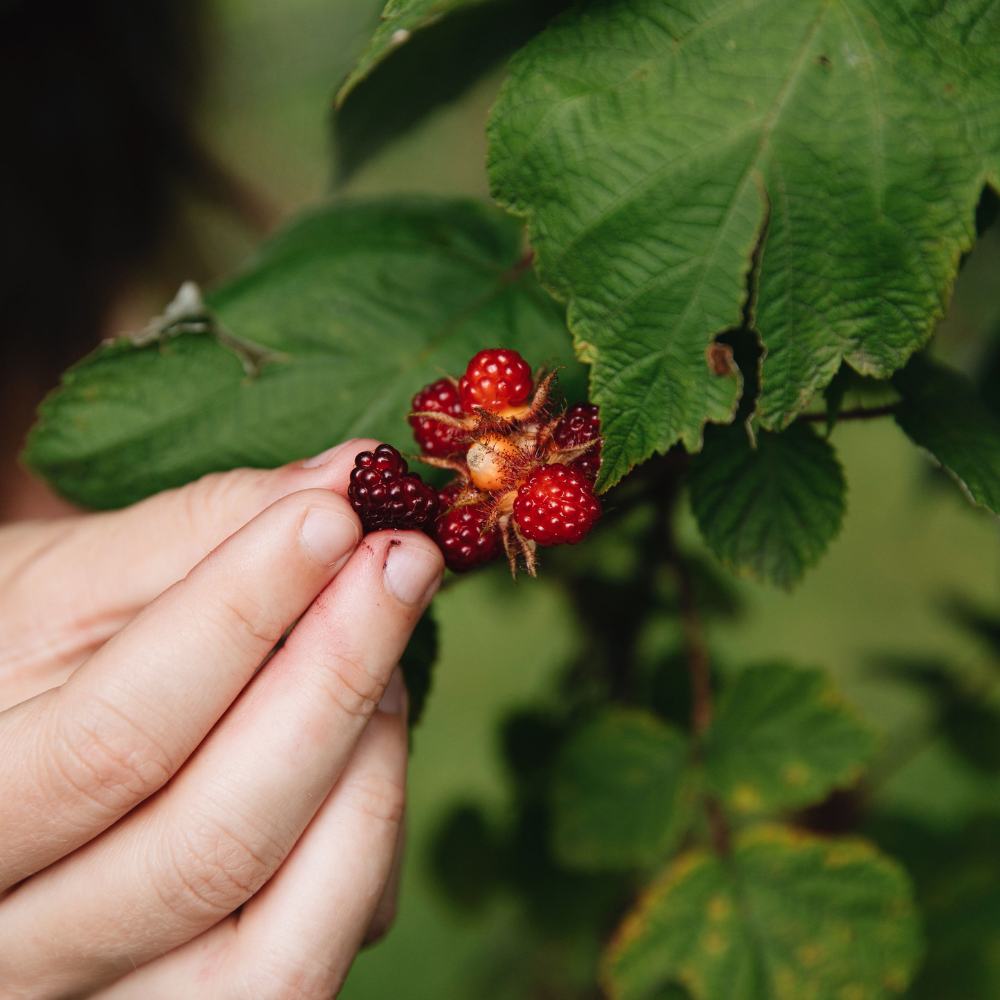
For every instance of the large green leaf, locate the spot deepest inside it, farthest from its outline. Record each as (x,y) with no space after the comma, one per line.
(942,413)
(617,790)
(772,507)
(782,738)
(787,917)
(650,142)
(424,53)
(367,302)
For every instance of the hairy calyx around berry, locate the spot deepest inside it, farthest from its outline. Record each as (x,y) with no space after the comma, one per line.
(524,470)
(385,494)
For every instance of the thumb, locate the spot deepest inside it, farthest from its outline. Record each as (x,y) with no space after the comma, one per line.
(67,585)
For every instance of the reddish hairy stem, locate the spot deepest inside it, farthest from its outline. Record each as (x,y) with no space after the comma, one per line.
(694,642)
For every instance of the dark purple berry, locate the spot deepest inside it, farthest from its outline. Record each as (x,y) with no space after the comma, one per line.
(385,494)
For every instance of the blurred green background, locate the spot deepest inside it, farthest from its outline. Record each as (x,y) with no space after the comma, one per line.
(910,540)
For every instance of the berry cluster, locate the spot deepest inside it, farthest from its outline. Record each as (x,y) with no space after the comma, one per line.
(525,476)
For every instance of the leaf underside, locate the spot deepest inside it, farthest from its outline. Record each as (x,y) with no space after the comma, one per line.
(942,413)
(770,510)
(648,143)
(367,302)
(788,915)
(782,739)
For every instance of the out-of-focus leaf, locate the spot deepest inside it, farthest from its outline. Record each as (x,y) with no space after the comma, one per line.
(957,880)
(423,54)
(942,413)
(466,857)
(650,143)
(787,916)
(617,792)
(417,664)
(782,739)
(985,625)
(770,510)
(530,739)
(366,301)
(964,717)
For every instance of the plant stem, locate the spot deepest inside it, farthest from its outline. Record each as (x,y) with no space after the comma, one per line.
(698,661)
(694,643)
(858,413)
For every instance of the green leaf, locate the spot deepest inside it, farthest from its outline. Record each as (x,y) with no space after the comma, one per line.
(368,301)
(942,413)
(770,510)
(782,739)
(423,54)
(466,857)
(417,664)
(788,916)
(617,792)
(957,877)
(650,142)
(966,717)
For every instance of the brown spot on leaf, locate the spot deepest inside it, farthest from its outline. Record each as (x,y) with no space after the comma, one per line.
(720,359)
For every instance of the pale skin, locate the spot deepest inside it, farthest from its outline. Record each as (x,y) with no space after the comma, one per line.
(176,820)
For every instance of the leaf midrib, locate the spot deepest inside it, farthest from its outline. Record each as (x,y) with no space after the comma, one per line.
(170,417)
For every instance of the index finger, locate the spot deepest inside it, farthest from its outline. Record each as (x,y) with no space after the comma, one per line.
(77,580)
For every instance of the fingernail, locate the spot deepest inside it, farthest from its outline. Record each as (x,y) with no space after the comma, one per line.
(394,696)
(330,535)
(412,574)
(324,456)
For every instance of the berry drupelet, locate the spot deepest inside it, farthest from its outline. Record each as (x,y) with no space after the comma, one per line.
(385,494)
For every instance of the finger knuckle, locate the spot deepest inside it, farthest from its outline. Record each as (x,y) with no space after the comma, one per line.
(101,755)
(209,502)
(347,682)
(240,614)
(307,978)
(376,796)
(211,870)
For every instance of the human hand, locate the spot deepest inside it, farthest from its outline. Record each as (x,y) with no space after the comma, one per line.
(168,782)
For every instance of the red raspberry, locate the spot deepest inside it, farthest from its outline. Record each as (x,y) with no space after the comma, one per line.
(556,505)
(496,380)
(459,534)
(581,423)
(436,438)
(385,494)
